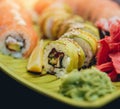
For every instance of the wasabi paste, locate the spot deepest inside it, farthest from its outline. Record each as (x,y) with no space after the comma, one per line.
(86,85)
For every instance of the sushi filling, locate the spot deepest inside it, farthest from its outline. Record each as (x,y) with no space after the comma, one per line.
(55,58)
(15,44)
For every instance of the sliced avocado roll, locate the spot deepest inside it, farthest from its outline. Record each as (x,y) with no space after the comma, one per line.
(87,27)
(87,42)
(92,29)
(48,14)
(67,24)
(76,22)
(46,19)
(50,23)
(62,56)
(81,54)
(57,24)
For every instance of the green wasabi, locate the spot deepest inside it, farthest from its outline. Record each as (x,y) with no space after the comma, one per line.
(86,85)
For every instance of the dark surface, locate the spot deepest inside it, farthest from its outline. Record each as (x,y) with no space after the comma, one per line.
(15,96)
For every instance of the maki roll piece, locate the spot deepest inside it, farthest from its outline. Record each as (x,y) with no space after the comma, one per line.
(52,18)
(17,35)
(62,56)
(77,22)
(52,23)
(71,22)
(90,28)
(87,42)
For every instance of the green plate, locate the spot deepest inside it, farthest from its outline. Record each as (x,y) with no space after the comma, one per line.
(48,84)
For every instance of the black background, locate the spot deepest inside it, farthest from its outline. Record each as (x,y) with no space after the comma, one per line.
(13,95)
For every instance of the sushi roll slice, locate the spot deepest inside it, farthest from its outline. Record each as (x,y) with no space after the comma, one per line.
(87,42)
(17,36)
(87,27)
(49,27)
(67,24)
(76,22)
(48,19)
(62,56)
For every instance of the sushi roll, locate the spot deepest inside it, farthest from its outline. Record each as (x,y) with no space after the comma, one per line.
(68,23)
(76,22)
(49,27)
(62,56)
(17,36)
(88,28)
(52,18)
(95,11)
(87,42)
